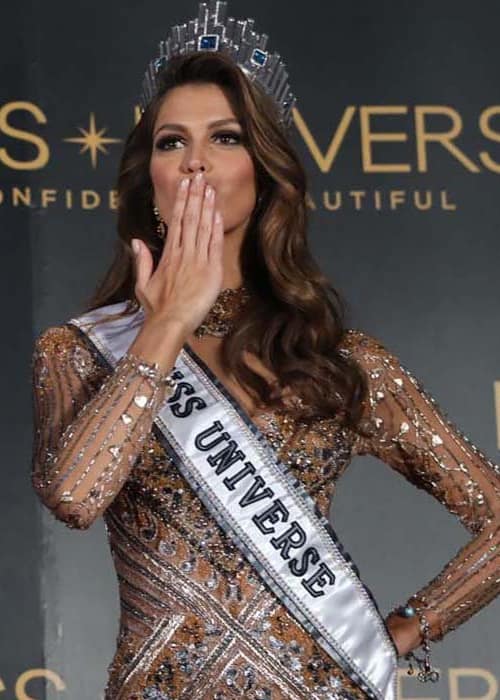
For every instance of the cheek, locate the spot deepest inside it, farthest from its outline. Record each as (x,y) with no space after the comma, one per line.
(240,180)
(163,177)
(159,176)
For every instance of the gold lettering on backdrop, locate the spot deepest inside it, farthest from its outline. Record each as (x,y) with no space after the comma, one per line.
(87,199)
(354,200)
(496,392)
(484,128)
(423,137)
(455,674)
(328,204)
(445,138)
(390,199)
(406,683)
(42,158)
(368,137)
(24,678)
(444,202)
(48,196)
(21,196)
(113,199)
(353,197)
(357,195)
(397,197)
(423,203)
(324,162)
(90,199)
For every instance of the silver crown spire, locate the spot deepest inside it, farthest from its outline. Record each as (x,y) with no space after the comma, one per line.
(210,31)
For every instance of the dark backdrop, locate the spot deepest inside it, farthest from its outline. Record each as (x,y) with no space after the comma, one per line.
(423,279)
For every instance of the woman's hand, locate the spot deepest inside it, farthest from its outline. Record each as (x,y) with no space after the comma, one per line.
(188,278)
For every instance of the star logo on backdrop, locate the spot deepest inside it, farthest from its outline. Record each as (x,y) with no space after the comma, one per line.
(92,140)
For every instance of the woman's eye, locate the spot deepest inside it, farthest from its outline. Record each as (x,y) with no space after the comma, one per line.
(166,143)
(230,135)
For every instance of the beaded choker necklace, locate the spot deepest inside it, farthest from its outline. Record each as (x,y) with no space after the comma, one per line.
(221,318)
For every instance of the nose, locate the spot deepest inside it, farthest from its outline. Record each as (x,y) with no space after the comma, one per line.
(194,158)
(193,167)
(193,170)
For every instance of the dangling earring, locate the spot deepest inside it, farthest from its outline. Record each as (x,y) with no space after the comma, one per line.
(160,228)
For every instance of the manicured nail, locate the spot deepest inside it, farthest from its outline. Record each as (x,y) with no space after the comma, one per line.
(135,245)
(184,183)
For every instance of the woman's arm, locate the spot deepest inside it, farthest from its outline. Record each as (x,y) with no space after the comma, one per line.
(90,423)
(405,428)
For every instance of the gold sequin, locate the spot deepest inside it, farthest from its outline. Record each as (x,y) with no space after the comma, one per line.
(194,613)
(412,434)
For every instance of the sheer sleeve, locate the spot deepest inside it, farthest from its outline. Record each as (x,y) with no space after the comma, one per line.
(404,427)
(90,423)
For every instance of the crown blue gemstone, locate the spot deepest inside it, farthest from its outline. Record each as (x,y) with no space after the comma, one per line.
(259,57)
(160,62)
(208,42)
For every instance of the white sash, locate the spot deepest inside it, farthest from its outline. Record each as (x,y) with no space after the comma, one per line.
(264,509)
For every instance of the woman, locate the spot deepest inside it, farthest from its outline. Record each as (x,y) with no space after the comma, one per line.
(208,400)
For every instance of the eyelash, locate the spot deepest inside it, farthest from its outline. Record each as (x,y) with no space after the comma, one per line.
(165,140)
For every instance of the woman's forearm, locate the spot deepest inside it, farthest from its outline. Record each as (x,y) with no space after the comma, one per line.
(99,447)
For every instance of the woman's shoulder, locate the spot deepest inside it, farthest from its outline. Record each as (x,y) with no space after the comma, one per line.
(378,361)
(66,336)
(58,339)
(65,347)
(359,343)
(67,342)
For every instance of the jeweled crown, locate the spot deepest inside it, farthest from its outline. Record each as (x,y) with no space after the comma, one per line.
(210,31)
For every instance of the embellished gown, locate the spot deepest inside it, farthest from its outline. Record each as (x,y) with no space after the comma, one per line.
(196,620)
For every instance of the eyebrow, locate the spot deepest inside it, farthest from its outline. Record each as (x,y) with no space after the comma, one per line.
(181,127)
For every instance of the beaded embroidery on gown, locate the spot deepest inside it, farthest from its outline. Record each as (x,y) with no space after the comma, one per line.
(196,620)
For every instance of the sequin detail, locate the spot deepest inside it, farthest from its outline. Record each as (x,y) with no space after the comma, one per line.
(196,620)
(406,428)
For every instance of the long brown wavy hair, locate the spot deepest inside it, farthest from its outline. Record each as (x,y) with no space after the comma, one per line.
(296,319)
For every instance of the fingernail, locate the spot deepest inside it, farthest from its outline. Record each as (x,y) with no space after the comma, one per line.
(135,245)
(184,182)
(198,177)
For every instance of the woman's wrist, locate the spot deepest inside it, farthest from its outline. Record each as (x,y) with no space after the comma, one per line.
(159,341)
(405,633)
(414,630)
(152,372)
